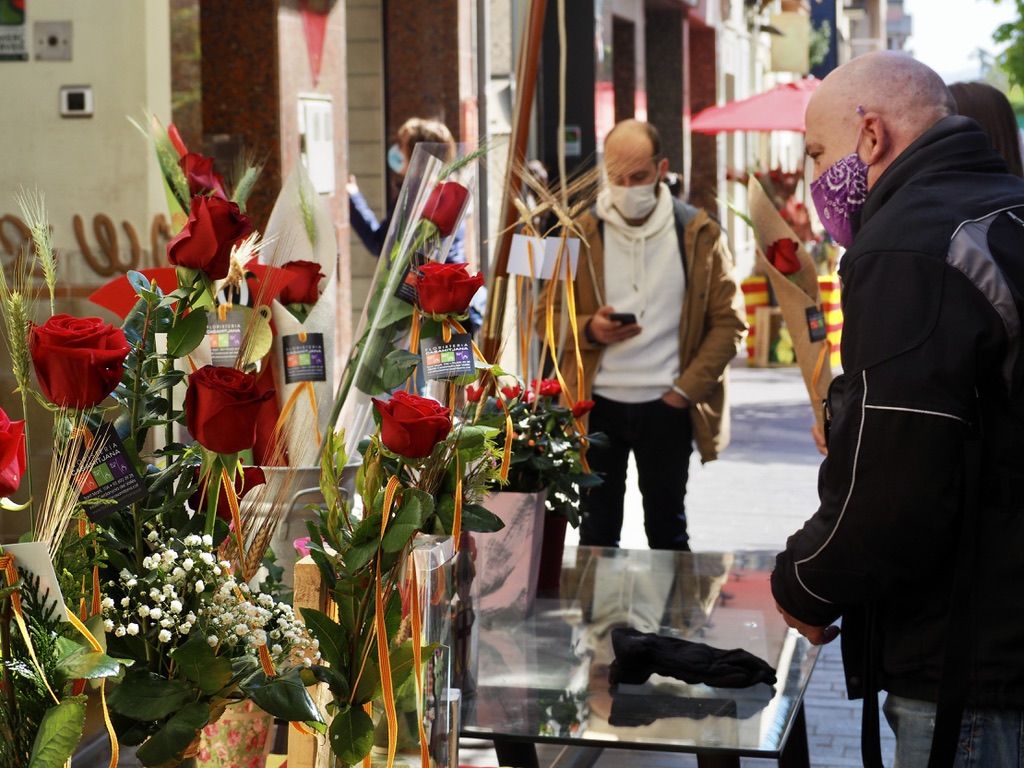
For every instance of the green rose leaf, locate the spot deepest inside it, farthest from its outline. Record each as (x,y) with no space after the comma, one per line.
(284,696)
(187,334)
(80,662)
(329,634)
(169,743)
(145,696)
(406,522)
(198,663)
(59,734)
(477,519)
(351,735)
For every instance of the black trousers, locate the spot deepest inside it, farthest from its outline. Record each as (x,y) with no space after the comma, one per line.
(661,439)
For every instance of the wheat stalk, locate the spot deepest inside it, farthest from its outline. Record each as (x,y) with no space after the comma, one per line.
(33,210)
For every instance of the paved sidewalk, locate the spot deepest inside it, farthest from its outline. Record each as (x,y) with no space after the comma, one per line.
(760,491)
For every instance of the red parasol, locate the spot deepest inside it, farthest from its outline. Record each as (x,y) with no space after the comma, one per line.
(780,109)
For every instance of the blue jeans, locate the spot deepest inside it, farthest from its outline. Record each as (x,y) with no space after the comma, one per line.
(987,737)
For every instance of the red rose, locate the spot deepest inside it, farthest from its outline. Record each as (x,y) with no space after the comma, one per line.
(411,425)
(221,406)
(782,254)
(474,393)
(245,482)
(202,179)
(512,392)
(546,387)
(78,360)
(214,227)
(444,206)
(12,454)
(446,289)
(582,408)
(303,280)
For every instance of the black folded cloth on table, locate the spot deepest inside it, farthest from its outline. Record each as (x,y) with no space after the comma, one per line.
(638,655)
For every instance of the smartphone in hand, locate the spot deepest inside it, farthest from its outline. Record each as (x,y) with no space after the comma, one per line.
(626,318)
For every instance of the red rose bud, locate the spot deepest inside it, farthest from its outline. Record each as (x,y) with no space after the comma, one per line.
(303,282)
(202,179)
(12,454)
(474,393)
(411,425)
(78,360)
(512,392)
(250,478)
(214,227)
(582,408)
(176,140)
(546,387)
(444,206)
(446,289)
(221,406)
(782,254)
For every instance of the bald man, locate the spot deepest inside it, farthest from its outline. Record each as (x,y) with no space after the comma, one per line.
(919,540)
(661,317)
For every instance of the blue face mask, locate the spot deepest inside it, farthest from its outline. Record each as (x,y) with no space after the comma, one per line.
(396,160)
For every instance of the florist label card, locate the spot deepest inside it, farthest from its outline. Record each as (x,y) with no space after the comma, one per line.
(527,256)
(570,252)
(448,359)
(112,477)
(225,336)
(816,326)
(304,360)
(33,559)
(406,290)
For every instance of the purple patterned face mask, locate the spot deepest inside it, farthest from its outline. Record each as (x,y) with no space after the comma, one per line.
(839,194)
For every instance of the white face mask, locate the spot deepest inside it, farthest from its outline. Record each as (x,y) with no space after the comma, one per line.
(634,202)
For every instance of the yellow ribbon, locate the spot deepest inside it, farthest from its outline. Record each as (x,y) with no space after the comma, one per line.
(417,661)
(305,387)
(457,517)
(381,631)
(97,648)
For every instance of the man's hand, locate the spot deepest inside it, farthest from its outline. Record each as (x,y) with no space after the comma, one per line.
(819,439)
(674,400)
(817,635)
(604,330)
(352,187)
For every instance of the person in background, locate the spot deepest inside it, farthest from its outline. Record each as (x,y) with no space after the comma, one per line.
(372,231)
(917,541)
(990,108)
(660,316)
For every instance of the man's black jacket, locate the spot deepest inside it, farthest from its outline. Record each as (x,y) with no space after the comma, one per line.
(932,302)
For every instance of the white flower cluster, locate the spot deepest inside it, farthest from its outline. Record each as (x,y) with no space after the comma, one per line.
(184,588)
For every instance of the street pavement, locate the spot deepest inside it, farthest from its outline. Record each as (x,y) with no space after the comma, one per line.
(761,490)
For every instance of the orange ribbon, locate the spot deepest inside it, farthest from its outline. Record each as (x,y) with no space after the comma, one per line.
(11,574)
(97,648)
(381,631)
(417,661)
(289,405)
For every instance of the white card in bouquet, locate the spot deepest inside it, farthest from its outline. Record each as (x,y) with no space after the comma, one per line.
(34,557)
(551,260)
(519,257)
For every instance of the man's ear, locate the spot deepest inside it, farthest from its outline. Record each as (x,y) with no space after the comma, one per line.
(662,168)
(875,139)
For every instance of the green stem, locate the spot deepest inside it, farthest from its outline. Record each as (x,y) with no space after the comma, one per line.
(212,497)
(179,312)
(7,681)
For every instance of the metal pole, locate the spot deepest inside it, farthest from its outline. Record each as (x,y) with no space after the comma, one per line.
(483,79)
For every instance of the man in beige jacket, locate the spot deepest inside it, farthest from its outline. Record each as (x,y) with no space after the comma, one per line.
(658,378)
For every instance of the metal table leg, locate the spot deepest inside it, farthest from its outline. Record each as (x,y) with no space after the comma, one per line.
(717,761)
(516,754)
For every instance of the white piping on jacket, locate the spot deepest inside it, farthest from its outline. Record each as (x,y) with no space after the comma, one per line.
(916,410)
(846,503)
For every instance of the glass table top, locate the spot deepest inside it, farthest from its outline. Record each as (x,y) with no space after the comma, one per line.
(543,676)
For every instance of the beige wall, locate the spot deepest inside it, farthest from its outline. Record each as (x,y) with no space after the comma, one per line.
(91,165)
(367,144)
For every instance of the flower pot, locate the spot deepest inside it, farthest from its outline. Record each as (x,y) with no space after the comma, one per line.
(549,578)
(242,737)
(508,561)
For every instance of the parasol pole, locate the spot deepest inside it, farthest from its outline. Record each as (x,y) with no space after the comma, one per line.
(526,85)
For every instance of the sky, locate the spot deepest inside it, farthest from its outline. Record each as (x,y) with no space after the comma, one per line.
(946,33)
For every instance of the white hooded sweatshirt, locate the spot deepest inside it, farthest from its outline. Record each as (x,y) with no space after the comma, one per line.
(643,274)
